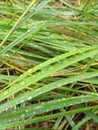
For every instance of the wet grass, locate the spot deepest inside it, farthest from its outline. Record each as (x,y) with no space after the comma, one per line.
(49,64)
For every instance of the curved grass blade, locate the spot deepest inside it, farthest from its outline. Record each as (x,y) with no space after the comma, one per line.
(29,95)
(44,107)
(40,75)
(50,61)
(44,118)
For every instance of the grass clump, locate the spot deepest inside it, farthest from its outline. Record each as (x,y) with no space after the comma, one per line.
(49,64)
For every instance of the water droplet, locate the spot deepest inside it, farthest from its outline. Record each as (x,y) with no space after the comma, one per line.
(30,70)
(65,83)
(47,110)
(63,98)
(34,26)
(29,98)
(26,110)
(7,54)
(23,115)
(59,107)
(6,93)
(52,59)
(43,103)
(21,101)
(26,96)
(59,100)
(28,31)
(34,112)
(22,83)
(21,75)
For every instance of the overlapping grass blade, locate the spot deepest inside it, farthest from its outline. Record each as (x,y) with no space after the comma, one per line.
(44,118)
(47,72)
(50,69)
(44,89)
